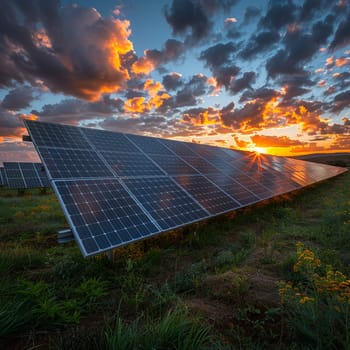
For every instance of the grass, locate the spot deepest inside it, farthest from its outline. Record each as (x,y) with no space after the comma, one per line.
(213,285)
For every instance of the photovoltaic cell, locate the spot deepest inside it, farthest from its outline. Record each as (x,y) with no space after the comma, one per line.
(233,188)
(207,194)
(201,165)
(73,163)
(125,164)
(3,181)
(110,141)
(25,175)
(149,145)
(167,203)
(173,165)
(103,214)
(57,135)
(179,148)
(118,188)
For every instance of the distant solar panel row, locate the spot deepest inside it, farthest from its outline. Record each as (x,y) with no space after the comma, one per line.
(118,188)
(24,175)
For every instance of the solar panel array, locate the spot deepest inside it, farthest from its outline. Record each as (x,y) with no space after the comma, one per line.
(3,179)
(118,188)
(25,175)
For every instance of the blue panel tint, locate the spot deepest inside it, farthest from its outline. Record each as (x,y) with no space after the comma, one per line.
(125,164)
(167,203)
(149,145)
(103,214)
(201,165)
(173,165)
(207,194)
(233,188)
(110,141)
(179,148)
(56,135)
(62,163)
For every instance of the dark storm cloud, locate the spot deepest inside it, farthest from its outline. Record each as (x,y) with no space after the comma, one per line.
(250,13)
(341,101)
(218,55)
(73,110)
(194,88)
(171,51)
(259,43)
(311,8)
(321,30)
(224,75)
(219,60)
(281,64)
(294,91)
(18,98)
(194,16)
(11,124)
(243,83)
(342,34)
(279,14)
(260,94)
(172,81)
(251,114)
(70,48)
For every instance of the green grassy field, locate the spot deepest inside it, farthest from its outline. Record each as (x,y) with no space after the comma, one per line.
(271,276)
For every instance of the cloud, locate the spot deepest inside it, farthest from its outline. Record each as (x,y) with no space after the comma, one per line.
(279,14)
(73,111)
(218,55)
(341,101)
(172,81)
(250,13)
(243,83)
(274,141)
(76,51)
(11,124)
(201,116)
(193,17)
(171,51)
(342,35)
(18,98)
(259,43)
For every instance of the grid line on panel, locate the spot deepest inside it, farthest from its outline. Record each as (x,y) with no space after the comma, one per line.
(178,148)
(166,202)
(238,192)
(124,164)
(2,178)
(200,164)
(56,135)
(103,214)
(73,163)
(102,140)
(149,145)
(15,179)
(207,194)
(172,164)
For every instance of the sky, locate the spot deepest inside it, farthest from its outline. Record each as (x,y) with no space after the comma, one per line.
(267,76)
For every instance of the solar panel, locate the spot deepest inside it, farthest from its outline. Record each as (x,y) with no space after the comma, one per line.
(118,188)
(3,181)
(103,214)
(25,175)
(167,203)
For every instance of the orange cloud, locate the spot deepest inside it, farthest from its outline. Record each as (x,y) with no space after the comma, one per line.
(136,105)
(329,61)
(274,141)
(142,66)
(343,61)
(152,87)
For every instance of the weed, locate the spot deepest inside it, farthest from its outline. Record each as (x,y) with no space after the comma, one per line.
(319,308)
